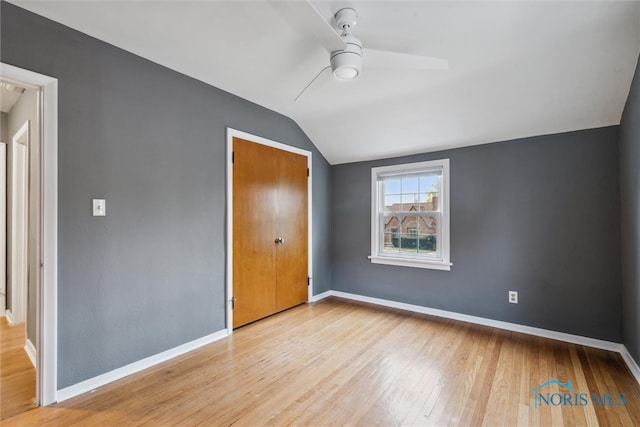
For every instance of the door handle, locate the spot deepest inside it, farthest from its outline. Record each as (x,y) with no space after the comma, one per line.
(279,240)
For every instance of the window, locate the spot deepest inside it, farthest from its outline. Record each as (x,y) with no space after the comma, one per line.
(410,215)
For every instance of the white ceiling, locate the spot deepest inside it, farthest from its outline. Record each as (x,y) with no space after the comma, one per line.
(9,95)
(517,68)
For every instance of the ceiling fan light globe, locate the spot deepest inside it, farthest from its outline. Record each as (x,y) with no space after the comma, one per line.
(346,65)
(346,73)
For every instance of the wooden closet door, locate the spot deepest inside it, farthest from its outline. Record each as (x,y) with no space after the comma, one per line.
(292,218)
(270,220)
(254,249)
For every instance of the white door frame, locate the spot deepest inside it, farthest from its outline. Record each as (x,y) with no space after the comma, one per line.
(3,225)
(233,133)
(47,310)
(19,224)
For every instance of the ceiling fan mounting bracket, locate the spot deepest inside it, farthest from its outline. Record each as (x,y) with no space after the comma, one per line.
(346,18)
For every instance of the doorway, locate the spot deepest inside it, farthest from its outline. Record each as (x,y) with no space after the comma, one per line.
(41,154)
(18,371)
(269,228)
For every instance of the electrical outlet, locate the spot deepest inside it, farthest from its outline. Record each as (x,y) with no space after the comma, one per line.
(513,297)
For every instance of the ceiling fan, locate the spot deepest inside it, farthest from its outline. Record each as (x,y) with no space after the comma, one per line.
(346,51)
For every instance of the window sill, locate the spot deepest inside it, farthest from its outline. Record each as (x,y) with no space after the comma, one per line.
(407,262)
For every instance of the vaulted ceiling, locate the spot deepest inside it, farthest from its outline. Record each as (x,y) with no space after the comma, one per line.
(516,68)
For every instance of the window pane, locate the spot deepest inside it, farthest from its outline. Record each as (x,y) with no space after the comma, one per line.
(428,202)
(410,224)
(428,239)
(391,224)
(429,224)
(391,242)
(410,184)
(409,201)
(390,234)
(392,186)
(429,193)
(427,244)
(429,183)
(409,231)
(392,203)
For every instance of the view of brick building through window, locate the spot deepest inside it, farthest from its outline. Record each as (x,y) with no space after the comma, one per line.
(412,233)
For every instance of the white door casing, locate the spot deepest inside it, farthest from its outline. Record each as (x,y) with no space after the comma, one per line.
(3,226)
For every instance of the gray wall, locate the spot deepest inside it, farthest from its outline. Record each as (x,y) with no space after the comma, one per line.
(630,198)
(538,215)
(150,275)
(26,108)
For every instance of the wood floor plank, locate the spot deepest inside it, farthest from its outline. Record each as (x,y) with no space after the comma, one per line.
(337,362)
(17,374)
(474,413)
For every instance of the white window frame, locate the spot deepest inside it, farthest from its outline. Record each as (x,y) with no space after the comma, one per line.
(408,260)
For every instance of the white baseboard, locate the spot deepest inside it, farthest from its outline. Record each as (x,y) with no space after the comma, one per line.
(545,333)
(30,349)
(9,317)
(100,380)
(560,336)
(318,297)
(631,363)
(132,368)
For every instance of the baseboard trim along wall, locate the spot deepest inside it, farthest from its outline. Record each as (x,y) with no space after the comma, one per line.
(9,317)
(631,363)
(132,368)
(530,330)
(30,349)
(320,296)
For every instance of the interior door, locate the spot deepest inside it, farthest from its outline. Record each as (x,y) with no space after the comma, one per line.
(270,221)
(291,226)
(19,212)
(18,277)
(254,250)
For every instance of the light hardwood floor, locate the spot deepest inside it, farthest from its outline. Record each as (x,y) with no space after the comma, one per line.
(337,362)
(17,374)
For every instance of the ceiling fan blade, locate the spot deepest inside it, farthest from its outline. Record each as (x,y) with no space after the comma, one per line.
(304,17)
(386,59)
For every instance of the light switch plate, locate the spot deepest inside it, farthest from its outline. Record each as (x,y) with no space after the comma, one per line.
(99,207)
